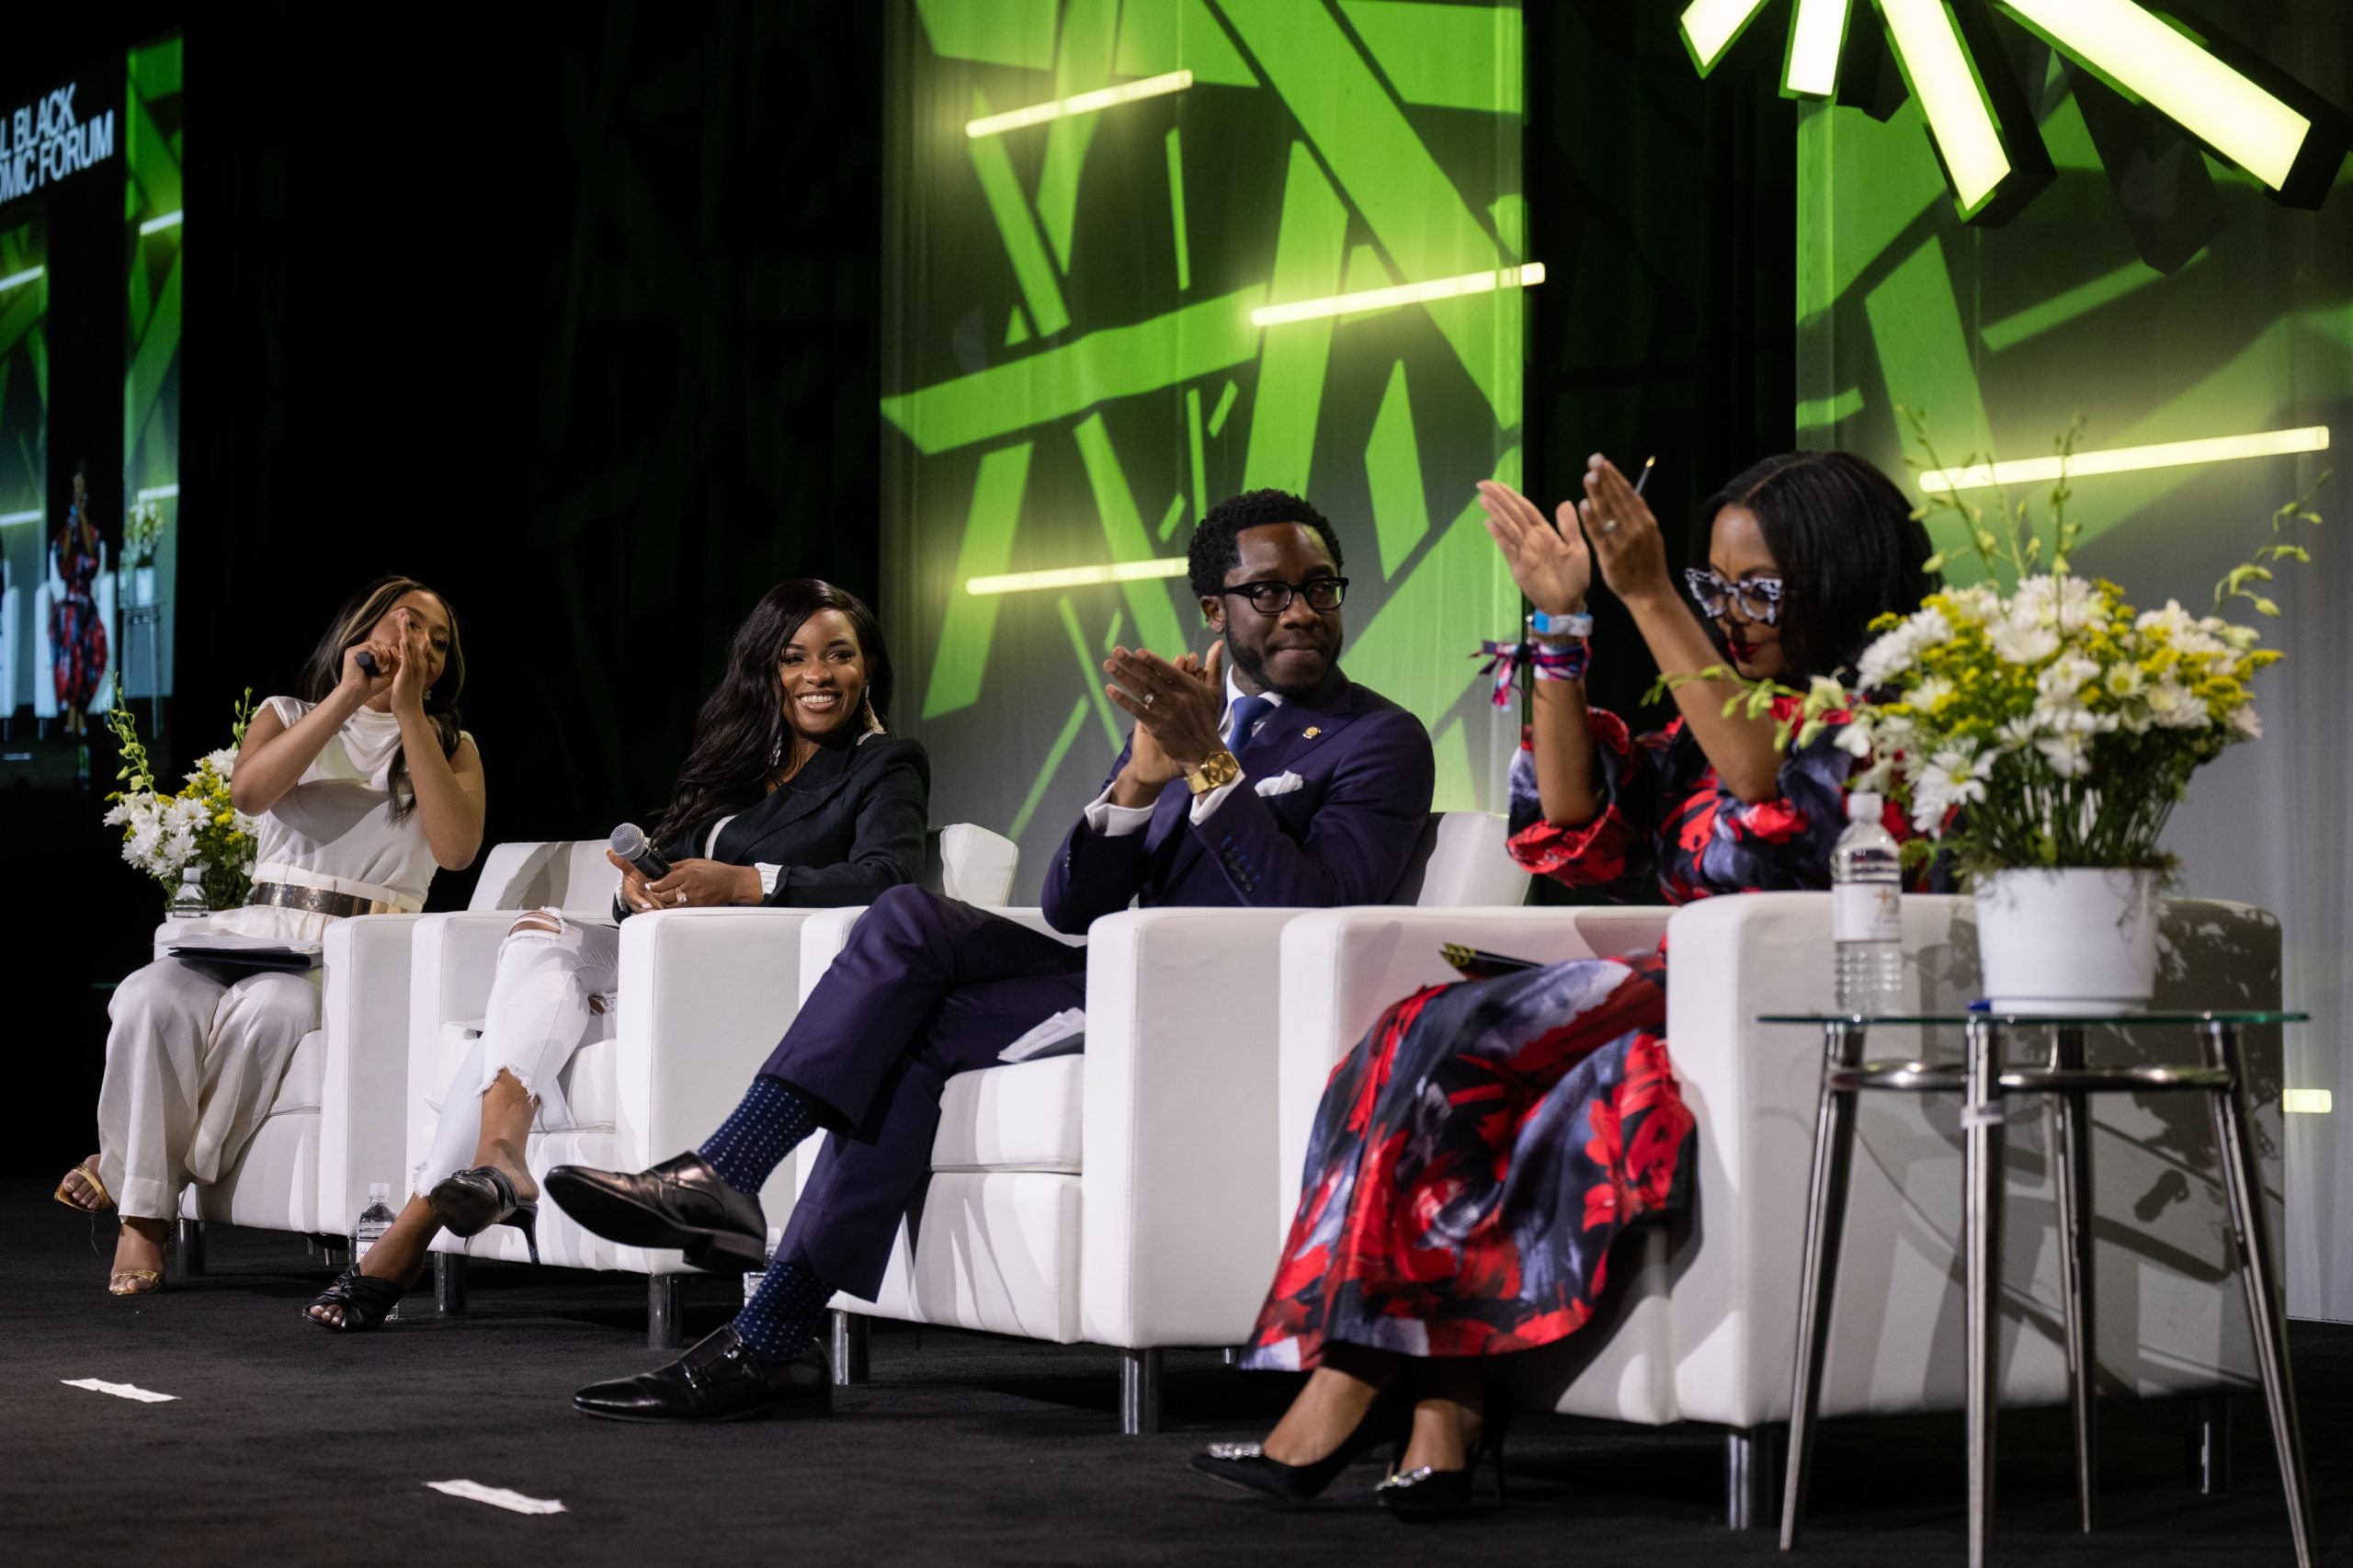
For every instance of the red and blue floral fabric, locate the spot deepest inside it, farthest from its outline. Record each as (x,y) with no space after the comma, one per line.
(1476,1153)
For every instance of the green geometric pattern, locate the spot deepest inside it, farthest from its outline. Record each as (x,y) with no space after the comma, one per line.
(150,387)
(2000,336)
(1071,374)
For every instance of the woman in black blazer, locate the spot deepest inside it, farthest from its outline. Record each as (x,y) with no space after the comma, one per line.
(793,795)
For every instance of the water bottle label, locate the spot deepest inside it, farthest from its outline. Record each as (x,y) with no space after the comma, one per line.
(1866,912)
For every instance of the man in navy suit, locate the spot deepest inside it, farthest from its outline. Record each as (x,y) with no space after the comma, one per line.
(1261,777)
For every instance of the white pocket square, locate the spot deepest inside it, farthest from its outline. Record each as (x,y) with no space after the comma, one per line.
(1280,784)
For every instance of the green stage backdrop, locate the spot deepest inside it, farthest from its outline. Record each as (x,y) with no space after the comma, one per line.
(1070,373)
(152,221)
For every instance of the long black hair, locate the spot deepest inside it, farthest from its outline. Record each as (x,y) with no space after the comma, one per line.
(323,671)
(742,724)
(1848,546)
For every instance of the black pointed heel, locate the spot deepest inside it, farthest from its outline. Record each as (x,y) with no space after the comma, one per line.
(1426,1493)
(470,1202)
(365,1301)
(1246,1465)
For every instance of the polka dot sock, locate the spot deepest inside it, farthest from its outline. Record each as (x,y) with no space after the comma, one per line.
(782,1316)
(757,1134)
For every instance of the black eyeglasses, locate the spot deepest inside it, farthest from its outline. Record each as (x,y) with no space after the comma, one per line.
(1273,599)
(1759,598)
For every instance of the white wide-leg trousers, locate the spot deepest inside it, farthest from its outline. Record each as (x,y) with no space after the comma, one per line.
(538,1014)
(193,1063)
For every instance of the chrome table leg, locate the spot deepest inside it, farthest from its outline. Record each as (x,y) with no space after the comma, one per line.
(2242,1188)
(849,1347)
(1981,1111)
(1140,1392)
(1834,1143)
(449,1284)
(2070,1166)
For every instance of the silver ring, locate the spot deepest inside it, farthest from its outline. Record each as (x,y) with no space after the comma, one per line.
(1147,699)
(1609,524)
(681,893)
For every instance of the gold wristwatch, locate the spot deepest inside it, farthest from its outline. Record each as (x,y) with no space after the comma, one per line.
(1217,770)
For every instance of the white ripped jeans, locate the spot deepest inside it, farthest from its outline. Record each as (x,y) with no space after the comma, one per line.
(538,1014)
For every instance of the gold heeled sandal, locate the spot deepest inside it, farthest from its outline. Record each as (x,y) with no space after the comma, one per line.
(88,1171)
(135,1283)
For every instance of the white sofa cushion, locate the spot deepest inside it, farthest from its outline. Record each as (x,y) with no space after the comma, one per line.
(1024,1117)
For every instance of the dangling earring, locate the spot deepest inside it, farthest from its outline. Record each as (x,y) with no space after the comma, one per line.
(873,720)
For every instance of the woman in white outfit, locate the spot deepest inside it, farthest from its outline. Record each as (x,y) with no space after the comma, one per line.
(793,795)
(362,785)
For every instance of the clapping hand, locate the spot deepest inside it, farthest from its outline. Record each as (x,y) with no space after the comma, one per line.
(412,663)
(1178,708)
(1625,534)
(1551,565)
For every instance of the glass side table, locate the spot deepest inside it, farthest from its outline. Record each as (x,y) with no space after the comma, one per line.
(1985,1080)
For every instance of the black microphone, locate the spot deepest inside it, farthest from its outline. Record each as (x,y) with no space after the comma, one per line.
(366,663)
(628,843)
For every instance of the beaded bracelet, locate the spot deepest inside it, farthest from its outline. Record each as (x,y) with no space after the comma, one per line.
(1551,661)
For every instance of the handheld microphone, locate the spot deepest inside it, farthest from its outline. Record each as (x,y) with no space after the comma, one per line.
(628,843)
(366,663)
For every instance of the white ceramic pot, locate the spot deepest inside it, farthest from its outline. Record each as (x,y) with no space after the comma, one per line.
(2076,942)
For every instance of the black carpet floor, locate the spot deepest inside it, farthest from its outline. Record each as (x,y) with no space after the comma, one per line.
(288,1445)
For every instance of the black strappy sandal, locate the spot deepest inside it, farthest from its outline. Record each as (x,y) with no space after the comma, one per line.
(365,1301)
(473,1201)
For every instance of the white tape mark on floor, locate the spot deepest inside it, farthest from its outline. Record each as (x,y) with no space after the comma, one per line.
(498,1496)
(120,1390)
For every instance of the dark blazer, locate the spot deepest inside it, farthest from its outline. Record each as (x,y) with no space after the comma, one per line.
(1343,836)
(849,824)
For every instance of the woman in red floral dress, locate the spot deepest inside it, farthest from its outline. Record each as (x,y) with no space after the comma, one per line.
(1479,1150)
(77,637)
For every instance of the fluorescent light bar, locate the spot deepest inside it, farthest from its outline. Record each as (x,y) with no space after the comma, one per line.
(1402,294)
(2307,1102)
(32,517)
(26,276)
(2125,459)
(1710,26)
(156,225)
(1084,102)
(1078,576)
(159,493)
(1938,70)
(1817,37)
(2148,59)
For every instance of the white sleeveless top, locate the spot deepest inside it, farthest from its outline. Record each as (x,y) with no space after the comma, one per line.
(335,830)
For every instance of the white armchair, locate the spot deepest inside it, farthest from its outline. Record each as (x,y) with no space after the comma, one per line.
(705,995)
(12,611)
(1700,1321)
(1106,1196)
(336,1122)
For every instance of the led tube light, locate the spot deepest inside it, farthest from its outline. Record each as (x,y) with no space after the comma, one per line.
(2307,1102)
(1816,38)
(32,517)
(1946,83)
(159,493)
(1078,576)
(26,276)
(2125,459)
(2138,52)
(1402,294)
(1708,27)
(156,225)
(1082,103)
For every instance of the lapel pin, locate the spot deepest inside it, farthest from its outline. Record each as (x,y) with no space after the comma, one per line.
(1312,732)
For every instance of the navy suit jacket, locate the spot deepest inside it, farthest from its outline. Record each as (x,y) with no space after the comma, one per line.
(1342,836)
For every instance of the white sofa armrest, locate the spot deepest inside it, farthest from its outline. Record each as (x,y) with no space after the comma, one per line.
(1179,1117)
(1342,968)
(705,995)
(364,1009)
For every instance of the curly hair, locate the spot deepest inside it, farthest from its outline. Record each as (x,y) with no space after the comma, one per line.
(1214,550)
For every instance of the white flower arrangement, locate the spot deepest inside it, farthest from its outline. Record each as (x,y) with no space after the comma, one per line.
(163,834)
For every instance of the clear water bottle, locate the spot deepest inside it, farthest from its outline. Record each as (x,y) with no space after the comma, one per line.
(187,899)
(1867,911)
(374,1221)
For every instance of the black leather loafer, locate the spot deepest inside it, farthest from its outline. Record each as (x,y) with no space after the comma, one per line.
(717,1378)
(679,1203)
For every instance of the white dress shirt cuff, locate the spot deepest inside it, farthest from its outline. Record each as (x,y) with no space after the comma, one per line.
(1116,821)
(768,875)
(1204,805)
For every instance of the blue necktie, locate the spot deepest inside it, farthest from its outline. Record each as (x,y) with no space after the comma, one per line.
(1248,711)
